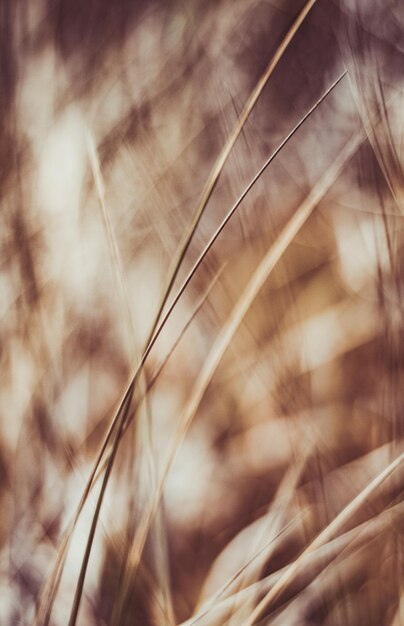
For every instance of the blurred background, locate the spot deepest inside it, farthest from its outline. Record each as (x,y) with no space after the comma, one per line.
(114,113)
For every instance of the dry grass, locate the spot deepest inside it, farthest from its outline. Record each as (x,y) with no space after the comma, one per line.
(201,293)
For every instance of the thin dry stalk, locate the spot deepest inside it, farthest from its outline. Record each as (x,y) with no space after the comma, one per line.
(325,536)
(229,329)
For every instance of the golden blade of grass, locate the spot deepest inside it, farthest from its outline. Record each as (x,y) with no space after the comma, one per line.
(324,537)
(154,377)
(153,337)
(289,490)
(226,593)
(49,592)
(232,211)
(222,226)
(83,570)
(229,329)
(147,441)
(160,368)
(183,248)
(159,539)
(207,192)
(116,262)
(213,178)
(279,504)
(345,559)
(228,146)
(319,560)
(149,386)
(228,217)
(223,599)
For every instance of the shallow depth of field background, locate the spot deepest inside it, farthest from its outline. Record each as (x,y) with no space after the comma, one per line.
(113,113)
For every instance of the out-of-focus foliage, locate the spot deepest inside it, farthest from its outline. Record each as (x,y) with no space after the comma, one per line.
(258,476)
